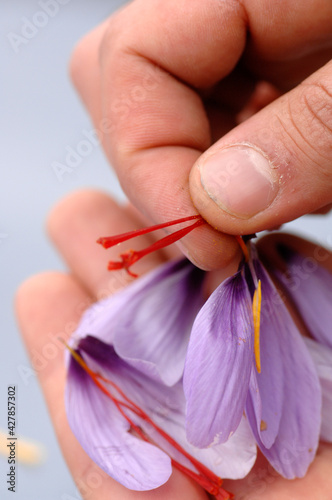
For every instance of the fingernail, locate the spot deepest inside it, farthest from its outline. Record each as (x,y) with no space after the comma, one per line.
(239,179)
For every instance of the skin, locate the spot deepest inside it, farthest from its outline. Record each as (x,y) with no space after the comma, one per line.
(159,102)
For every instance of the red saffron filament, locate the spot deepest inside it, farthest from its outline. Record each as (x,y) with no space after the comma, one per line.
(209,481)
(111,241)
(131,256)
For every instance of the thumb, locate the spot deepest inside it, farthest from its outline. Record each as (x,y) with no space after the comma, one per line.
(274,167)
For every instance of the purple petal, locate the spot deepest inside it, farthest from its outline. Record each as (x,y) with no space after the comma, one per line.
(233,459)
(295,445)
(322,357)
(99,320)
(149,322)
(310,286)
(266,388)
(105,436)
(219,363)
(154,327)
(166,407)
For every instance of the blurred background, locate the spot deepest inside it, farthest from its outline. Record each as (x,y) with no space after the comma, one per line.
(41,117)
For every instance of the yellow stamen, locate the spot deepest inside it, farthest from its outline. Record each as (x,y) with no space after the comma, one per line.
(256,310)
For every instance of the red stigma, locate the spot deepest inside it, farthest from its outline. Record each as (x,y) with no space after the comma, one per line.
(203,476)
(131,256)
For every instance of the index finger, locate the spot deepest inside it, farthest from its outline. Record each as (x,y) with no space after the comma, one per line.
(154,56)
(149,135)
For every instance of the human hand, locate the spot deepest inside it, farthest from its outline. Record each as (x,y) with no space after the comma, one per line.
(164,80)
(50,305)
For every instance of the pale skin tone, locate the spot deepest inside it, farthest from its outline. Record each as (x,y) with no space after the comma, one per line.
(152,90)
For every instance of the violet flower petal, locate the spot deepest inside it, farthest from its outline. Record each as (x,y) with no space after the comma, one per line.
(105,436)
(155,324)
(167,408)
(296,443)
(322,357)
(310,286)
(219,363)
(165,405)
(233,459)
(267,388)
(149,322)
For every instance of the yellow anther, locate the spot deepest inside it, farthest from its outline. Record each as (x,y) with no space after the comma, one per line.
(256,310)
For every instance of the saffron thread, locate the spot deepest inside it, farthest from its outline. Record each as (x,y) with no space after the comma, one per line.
(130,257)
(110,241)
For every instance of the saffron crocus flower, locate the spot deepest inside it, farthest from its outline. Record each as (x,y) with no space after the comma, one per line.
(276,385)
(236,366)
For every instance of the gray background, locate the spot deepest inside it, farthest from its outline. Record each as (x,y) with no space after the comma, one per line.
(40,117)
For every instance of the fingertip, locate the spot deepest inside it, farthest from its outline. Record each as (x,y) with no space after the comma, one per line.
(77,206)
(26,305)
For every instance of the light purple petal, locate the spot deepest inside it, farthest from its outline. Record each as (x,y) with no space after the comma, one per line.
(267,388)
(149,322)
(99,320)
(105,436)
(166,407)
(297,440)
(219,363)
(322,357)
(310,287)
(232,460)
(154,327)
